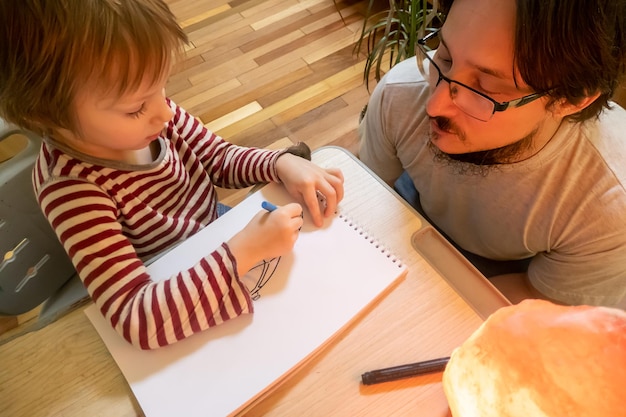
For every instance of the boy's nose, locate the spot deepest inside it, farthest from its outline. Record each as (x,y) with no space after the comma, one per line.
(164,113)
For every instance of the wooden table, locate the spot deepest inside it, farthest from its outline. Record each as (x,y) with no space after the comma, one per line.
(65,369)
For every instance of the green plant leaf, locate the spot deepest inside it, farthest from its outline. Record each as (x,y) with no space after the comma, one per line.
(395,31)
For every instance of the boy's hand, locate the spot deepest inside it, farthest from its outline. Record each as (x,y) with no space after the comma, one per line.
(305,181)
(266,236)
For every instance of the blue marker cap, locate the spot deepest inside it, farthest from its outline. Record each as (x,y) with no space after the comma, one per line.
(268,206)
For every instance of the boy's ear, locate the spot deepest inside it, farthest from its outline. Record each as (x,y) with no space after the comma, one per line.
(564,108)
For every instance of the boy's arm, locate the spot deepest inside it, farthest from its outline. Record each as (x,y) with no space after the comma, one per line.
(229,165)
(146,313)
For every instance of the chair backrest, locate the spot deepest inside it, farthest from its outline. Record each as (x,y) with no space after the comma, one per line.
(33,264)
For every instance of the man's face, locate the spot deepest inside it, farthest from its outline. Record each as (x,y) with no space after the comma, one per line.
(477,50)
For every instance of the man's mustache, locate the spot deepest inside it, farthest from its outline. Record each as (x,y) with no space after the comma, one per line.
(445,124)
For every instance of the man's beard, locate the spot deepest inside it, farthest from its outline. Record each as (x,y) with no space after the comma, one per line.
(479,162)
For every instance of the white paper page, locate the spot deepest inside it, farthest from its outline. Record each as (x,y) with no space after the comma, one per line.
(332,274)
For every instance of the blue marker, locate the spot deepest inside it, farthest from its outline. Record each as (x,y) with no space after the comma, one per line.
(268,206)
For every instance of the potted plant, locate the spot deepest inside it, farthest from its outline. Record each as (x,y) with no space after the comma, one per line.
(391,35)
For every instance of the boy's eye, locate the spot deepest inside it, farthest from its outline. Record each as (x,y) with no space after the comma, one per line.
(139,112)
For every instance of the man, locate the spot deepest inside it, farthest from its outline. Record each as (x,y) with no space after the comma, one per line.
(507,136)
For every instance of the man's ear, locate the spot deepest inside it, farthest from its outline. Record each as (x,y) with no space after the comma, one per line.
(563,108)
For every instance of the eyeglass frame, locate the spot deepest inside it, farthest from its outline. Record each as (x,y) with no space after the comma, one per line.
(497,106)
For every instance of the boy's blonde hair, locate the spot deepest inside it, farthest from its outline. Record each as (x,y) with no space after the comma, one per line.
(50,49)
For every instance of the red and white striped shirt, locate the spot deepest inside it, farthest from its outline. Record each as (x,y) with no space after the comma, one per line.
(111,217)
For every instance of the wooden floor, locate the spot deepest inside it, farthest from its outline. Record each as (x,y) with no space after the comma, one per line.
(258,71)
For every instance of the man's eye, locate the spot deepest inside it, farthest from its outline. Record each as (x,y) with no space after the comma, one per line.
(443,62)
(494,90)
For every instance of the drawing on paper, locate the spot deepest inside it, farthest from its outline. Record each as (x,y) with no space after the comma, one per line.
(260,275)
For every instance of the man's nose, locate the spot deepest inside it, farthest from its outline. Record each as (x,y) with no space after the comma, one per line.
(440,101)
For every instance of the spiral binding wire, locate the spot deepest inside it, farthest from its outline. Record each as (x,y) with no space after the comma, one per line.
(371,239)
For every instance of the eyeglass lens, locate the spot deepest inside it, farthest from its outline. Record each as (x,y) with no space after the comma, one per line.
(468,101)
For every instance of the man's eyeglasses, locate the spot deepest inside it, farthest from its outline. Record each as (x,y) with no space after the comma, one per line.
(470,101)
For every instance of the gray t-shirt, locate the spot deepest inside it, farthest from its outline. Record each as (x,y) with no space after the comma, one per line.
(565,207)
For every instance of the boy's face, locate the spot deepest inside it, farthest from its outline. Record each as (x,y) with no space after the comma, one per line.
(478,50)
(116,128)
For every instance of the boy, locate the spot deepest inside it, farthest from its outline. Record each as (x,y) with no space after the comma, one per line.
(124,173)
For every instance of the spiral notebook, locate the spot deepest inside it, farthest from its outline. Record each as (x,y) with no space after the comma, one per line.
(302,301)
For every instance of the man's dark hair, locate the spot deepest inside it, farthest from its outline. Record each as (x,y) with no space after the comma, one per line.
(571,48)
